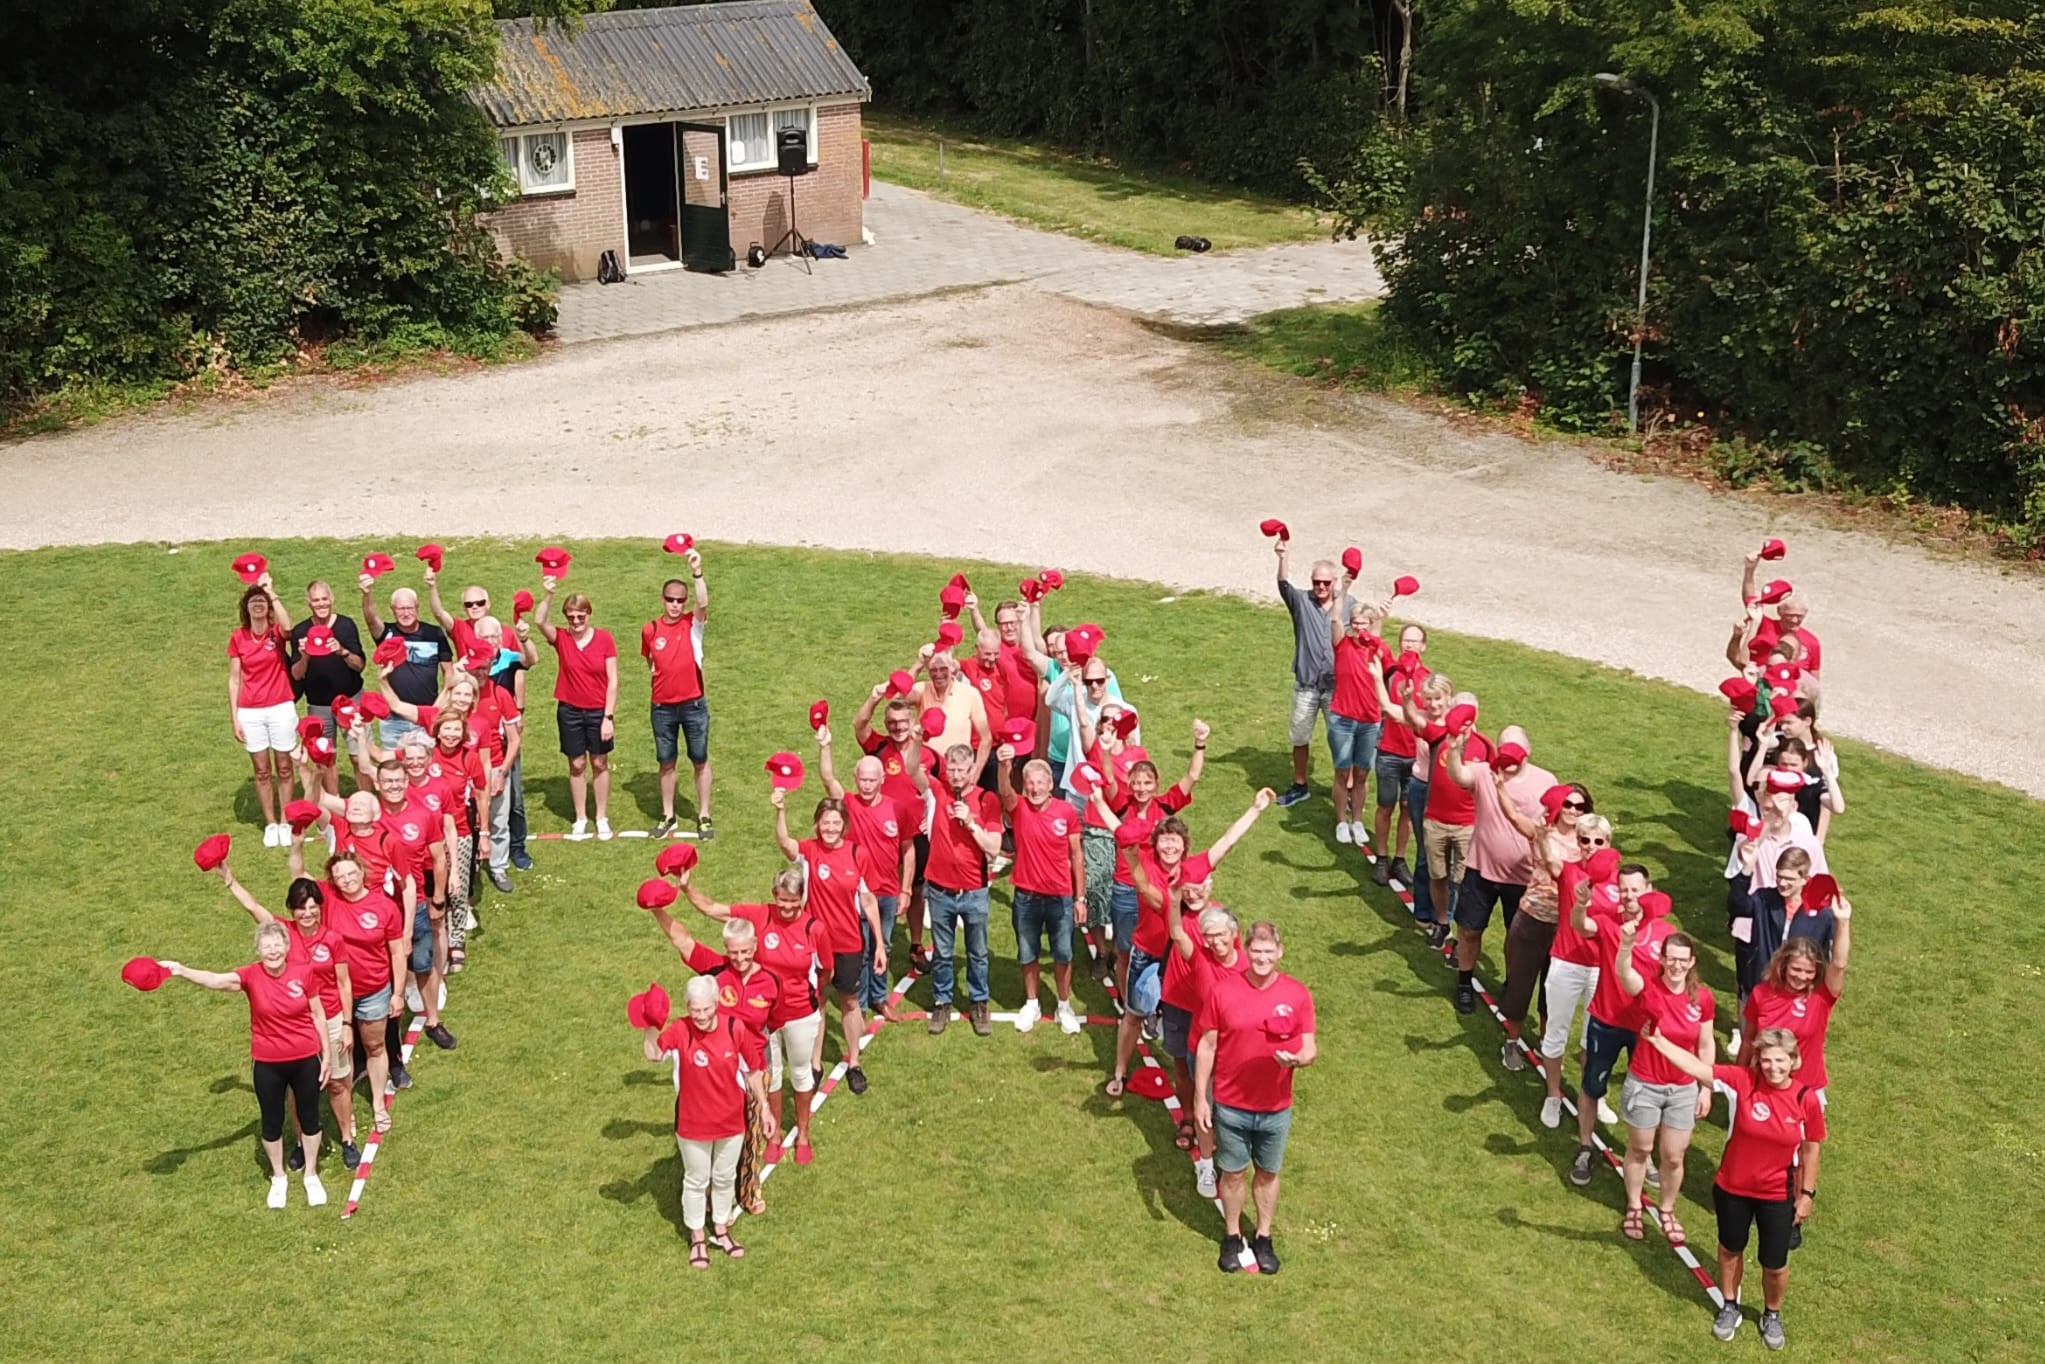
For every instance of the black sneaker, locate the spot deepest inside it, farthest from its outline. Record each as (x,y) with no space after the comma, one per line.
(666,826)
(296,1160)
(1401,873)
(1231,1254)
(351,1154)
(855,1080)
(1580,1168)
(1381,872)
(705,830)
(1293,795)
(401,1077)
(1466,998)
(442,1038)
(1437,935)
(520,860)
(1267,1258)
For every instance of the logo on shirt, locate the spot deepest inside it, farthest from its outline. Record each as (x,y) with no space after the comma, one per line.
(891,829)
(660,641)
(368,920)
(1282,1011)
(773,941)
(986,684)
(1797,1008)
(295,990)
(1058,827)
(1695,1012)
(823,871)
(1758,1110)
(702,1059)
(893,767)
(728,997)
(433,802)
(411,833)
(320,953)
(1654,948)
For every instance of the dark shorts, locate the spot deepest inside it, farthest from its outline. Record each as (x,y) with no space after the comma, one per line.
(922,861)
(1602,1044)
(1393,772)
(422,940)
(581,731)
(848,972)
(1480,895)
(691,719)
(1738,1216)
(1178,1029)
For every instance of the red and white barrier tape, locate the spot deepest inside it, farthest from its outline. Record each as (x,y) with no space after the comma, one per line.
(374,1146)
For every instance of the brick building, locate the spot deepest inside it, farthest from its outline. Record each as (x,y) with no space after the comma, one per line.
(661,134)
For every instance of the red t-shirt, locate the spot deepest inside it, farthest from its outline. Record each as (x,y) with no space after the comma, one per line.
(1397,738)
(462,637)
(1806,1016)
(1356,691)
(751,999)
(1610,1004)
(1169,801)
(1252,1026)
(280,1013)
(956,862)
(319,954)
(834,878)
(1153,937)
(368,927)
(416,827)
(1447,802)
(1019,682)
(1677,1017)
(1187,981)
(581,680)
(710,1089)
(485,732)
(265,677)
(988,679)
(1569,945)
(1768,1126)
(788,948)
(452,778)
(1043,847)
(385,862)
(1770,630)
(883,829)
(895,776)
(676,653)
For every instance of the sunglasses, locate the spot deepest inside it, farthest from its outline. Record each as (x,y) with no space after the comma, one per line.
(676,600)
(477,605)
(1095,681)
(1593,842)
(1574,805)
(1324,582)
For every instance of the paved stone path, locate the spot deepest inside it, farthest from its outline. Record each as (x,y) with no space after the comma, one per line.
(925,246)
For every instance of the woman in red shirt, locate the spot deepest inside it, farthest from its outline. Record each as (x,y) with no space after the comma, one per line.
(586,702)
(261,704)
(287,1045)
(718,1061)
(837,874)
(1661,1105)
(1768,1175)
(1798,990)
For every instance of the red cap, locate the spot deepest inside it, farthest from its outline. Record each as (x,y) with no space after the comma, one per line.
(311,727)
(1782,676)
(1083,641)
(1782,704)
(1821,891)
(389,649)
(958,580)
(635,1011)
(678,544)
(1407,663)
(784,770)
(819,714)
(1052,578)
(211,852)
(1460,716)
(657,1005)
(1150,1083)
(1030,589)
(431,555)
(932,720)
(373,705)
(553,560)
(320,750)
(948,635)
(521,602)
(479,658)
(1130,832)
(1509,754)
(1740,692)
(248,567)
(1775,592)
(320,642)
(1554,796)
(1405,587)
(1603,865)
(1742,823)
(301,814)
(675,857)
(1084,779)
(1125,723)
(378,564)
(1274,528)
(1773,549)
(901,682)
(344,711)
(952,600)
(1656,904)
(1019,732)
(656,894)
(1352,561)
(144,973)
(1782,779)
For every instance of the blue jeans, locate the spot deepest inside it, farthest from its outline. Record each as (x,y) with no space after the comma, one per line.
(1035,915)
(1353,744)
(1602,1044)
(1124,910)
(873,985)
(515,784)
(946,908)
(1416,812)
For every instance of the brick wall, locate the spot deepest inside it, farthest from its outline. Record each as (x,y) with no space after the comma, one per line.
(567,232)
(828,203)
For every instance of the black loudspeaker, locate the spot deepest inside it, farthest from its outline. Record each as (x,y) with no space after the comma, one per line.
(792,145)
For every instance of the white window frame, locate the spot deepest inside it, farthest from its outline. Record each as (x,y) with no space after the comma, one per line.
(735,167)
(519,141)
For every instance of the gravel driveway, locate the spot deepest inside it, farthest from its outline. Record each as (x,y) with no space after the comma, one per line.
(818,429)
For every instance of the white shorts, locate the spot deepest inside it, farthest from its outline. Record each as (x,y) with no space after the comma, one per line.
(796,1045)
(269,727)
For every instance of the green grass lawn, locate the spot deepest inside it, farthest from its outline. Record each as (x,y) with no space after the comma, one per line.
(1352,344)
(983,1198)
(1141,208)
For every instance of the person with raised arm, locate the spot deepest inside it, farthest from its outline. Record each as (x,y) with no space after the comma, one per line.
(586,702)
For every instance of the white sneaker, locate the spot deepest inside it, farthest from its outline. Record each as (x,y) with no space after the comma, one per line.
(1551,1112)
(315,1192)
(1359,835)
(269,835)
(1732,1048)
(1027,1016)
(1605,1113)
(279,1187)
(1342,833)
(603,829)
(579,829)
(412,999)
(1067,1019)
(1654,1175)
(441,1002)
(1203,1177)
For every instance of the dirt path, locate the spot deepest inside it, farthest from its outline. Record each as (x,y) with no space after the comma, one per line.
(1093,443)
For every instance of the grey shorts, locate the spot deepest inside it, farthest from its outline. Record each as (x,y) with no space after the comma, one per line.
(1307,702)
(1672,1106)
(373,1008)
(1243,1139)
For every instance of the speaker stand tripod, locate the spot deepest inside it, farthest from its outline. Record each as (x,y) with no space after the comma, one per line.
(797,244)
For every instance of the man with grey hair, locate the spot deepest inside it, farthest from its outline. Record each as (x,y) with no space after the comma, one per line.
(1313,656)
(1760,631)
(428,664)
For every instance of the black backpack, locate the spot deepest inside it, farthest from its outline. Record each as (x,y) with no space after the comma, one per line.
(608,271)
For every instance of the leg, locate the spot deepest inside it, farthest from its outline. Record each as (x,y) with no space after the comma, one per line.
(724,1153)
(695,1184)
(600,769)
(853,1024)
(1732,1265)
(804,1040)
(500,829)
(975,915)
(266,795)
(1774,1283)
(1675,1144)
(1230,1185)
(305,1090)
(1264,1193)
(376,1064)
(703,790)
(944,937)
(578,786)
(1639,1151)
(271,1087)
(667,789)
(514,816)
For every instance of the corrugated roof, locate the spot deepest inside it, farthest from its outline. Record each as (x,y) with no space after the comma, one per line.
(688,57)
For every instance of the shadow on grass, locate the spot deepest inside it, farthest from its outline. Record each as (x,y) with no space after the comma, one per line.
(662,1184)
(1657,1267)
(170,1162)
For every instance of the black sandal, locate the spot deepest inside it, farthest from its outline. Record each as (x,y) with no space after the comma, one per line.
(724,1242)
(699,1255)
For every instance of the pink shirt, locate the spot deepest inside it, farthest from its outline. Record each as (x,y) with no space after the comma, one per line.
(1771,846)
(1497,850)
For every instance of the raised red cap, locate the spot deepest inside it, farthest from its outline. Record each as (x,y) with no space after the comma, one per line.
(951,601)
(819,714)
(1656,904)
(656,894)
(554,560)
(320,750)
(344,711)
(1405,587)
(1508,754)
(431,555)
(144,973)
(1775,592)
(249,567)
(1773,549)
(373,705)
(1739,691)
(785,771)
(657,1005)
(389,649)
(211,852)
(901,682)
(311,727)
(1019,732)
(1030,589)
(1052,578)
(377,564)
(521,602)
(1085,779)
(320,642)
(948,636)
(1821,891)
(675,857)
(678,544)
(301,814)
(932,720)
(1782,779)
(1603,865)
(1460,716)
(1352,561)
(1274,528)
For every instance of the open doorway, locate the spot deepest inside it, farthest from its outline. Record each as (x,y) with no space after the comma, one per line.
(653,217)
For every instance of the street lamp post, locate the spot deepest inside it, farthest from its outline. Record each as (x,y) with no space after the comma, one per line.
(1654,128)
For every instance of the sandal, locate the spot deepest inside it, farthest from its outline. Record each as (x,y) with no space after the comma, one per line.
(383,1120)
(1674,1230)
(699,1255)
(1184,1138)
(732,1249)
(456,958)
(1631,1225)
(757,1208)
(1114,1086)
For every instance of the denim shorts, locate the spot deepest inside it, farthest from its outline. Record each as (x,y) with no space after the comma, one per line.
(691,719)
(422,940)
(1036,914)
(1123,910)
(1602,1044)
(1243,1138)
(1141,961)
(1353,744)
(1178,1030)
(1393,773)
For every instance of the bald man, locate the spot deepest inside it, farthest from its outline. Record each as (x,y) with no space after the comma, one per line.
(1501,861)
(429,661)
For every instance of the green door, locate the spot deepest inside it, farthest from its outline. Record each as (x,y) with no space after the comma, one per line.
(706,221)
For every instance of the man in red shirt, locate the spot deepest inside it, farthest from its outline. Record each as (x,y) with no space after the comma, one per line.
(1050,884)
(907,772)
(965,831)
(1763,630)
(884,826)
(1450,819)
(1395,755)
(672,645)
(425,836)
(1253,1031)
(1615,1016)
(463,634)
(1020,686)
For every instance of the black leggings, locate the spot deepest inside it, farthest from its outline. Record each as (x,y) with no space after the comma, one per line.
(1737,1216)
(302,1079)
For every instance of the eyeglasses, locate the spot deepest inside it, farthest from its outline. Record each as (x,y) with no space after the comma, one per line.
(576,615)
(1680,963)
(676,600)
